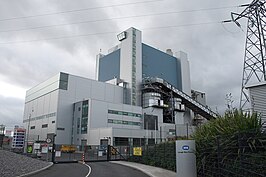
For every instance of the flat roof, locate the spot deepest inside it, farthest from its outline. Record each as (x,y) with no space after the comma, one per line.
(257,84)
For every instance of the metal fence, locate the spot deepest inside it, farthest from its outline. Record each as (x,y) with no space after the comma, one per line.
(72,153)
(238,155)
(160,155)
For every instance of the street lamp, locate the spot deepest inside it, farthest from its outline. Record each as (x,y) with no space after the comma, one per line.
(28,131)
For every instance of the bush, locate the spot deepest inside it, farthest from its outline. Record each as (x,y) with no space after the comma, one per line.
(224,145)
(159,155)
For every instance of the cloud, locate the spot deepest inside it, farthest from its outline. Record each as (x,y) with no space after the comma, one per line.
(11,111)
(215,51)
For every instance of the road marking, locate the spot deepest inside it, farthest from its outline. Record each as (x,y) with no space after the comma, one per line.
(89,170)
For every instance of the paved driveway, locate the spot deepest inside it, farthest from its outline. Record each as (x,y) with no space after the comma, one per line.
(65,170)
(106,169)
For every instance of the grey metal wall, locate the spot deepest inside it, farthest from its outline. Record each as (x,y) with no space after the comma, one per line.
(156,63)
(109,66)
(258,100)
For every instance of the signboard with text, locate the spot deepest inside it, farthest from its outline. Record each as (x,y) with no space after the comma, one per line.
(137,151)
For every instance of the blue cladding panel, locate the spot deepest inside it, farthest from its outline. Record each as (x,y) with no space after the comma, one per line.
(109,66)
(156,63)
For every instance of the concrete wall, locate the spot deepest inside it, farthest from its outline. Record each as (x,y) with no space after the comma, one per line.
(41,104)
(131,50)
(99,115)
(185,72)
(47,104)
(96,134)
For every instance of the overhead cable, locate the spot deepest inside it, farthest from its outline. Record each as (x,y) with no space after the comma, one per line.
(114,18)
(77,10)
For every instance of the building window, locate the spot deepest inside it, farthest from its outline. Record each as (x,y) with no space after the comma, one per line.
(44,125)
(84,118)
(125,113)
(150,122)
(60,128)
(63,81)
(78,125)
(113,121)
(32,127)
(120,141)
(85,108)
(53,121)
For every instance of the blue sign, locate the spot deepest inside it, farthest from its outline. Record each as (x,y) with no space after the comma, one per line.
(185,147)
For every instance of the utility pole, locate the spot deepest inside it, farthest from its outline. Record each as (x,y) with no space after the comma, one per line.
(255,48)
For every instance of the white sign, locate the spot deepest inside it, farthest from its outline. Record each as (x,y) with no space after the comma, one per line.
(57,153)
(45,149)
(186,158)
(122,36)
(48,140)
(36,146)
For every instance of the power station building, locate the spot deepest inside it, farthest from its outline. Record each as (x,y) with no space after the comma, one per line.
(141,95)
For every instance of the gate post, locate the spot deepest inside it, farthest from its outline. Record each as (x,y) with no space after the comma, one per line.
(108,152)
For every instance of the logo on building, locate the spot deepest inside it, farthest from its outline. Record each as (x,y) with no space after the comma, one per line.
(185,147)
(122,36)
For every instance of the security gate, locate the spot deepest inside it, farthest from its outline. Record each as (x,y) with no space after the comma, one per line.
(70,153)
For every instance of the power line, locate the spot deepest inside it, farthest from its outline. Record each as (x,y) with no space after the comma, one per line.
(77,10)
(105,33)
(116,18)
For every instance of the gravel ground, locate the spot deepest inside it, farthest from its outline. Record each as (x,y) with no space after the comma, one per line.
(12,164)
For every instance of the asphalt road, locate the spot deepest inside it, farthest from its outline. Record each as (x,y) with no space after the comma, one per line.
(65,170)
(106,169)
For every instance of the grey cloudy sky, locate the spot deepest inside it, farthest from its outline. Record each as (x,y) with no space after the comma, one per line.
(30,55)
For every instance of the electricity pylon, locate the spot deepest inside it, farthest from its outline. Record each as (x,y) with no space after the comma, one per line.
(255,48)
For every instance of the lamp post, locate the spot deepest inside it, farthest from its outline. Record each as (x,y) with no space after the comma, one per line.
(28,131)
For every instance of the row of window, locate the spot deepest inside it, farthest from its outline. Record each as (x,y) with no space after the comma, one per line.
(43,126)
(21,133)
(18,142)
(124,113)
(41,117)
(113,121)
(133,94)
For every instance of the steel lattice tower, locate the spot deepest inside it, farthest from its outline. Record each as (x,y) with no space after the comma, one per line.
(255,48)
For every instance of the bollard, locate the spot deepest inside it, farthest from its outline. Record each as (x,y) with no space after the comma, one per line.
(83,158)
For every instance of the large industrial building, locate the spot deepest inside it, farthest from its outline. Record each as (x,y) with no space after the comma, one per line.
(141,95)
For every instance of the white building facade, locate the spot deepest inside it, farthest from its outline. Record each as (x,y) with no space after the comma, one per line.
(119,106)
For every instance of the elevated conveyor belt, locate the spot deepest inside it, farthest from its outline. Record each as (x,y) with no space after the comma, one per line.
(161,85)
